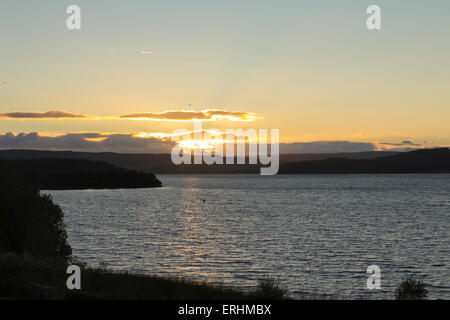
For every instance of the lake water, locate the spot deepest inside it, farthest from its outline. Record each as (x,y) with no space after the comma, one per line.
(316,234)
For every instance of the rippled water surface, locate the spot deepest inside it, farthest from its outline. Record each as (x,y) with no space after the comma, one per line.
(317,234)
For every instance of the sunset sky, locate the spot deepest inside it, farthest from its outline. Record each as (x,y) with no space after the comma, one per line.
(309,68)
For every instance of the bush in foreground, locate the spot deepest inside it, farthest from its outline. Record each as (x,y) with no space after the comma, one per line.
(411,289)
(269,288)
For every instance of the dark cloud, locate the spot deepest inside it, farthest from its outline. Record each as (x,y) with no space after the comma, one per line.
(130,143)
(42,115)
(126,143)
(405,145)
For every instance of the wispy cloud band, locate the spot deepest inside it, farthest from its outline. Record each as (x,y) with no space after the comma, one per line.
(171,115)
(189,115)
(25,115)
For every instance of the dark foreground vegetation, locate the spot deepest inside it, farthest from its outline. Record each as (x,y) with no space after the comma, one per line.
(34,255)
(63,174)
(420,161)
(411,289)
(27,277)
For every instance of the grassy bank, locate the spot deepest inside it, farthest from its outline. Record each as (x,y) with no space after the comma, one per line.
(25,277)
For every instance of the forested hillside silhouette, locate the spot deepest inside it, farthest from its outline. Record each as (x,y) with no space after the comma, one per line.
(161,163)
(59,174)
(419,161)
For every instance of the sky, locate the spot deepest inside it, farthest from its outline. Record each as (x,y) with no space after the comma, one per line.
(311,69)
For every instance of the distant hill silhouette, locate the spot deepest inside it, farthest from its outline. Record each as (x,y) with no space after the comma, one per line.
(162,163)
(80,170)
(419,161)
(57,174)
